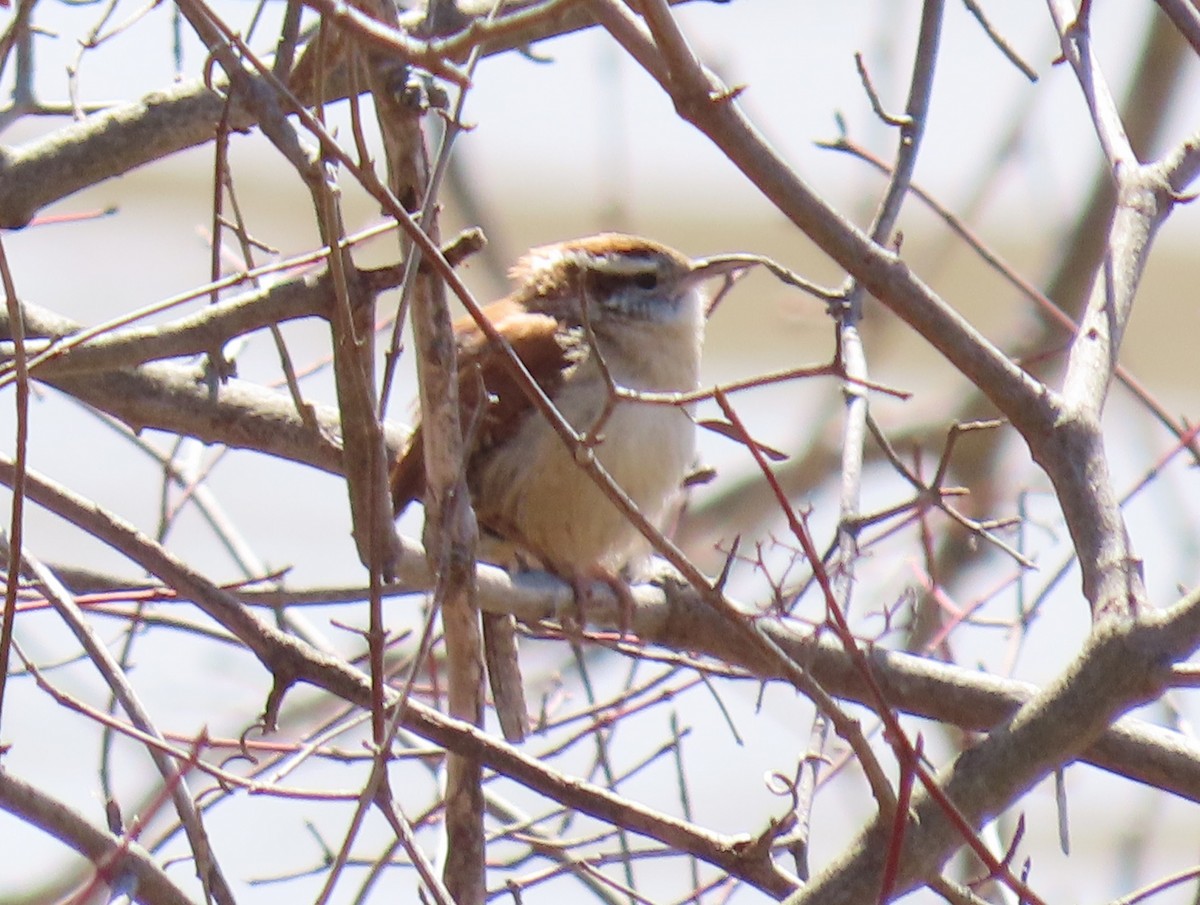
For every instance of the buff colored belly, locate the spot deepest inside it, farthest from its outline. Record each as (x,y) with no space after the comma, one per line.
(542,497)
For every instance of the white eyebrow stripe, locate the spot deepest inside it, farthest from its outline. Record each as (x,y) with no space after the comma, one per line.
(626,264)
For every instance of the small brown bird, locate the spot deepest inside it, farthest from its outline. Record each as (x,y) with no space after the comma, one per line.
(610,303)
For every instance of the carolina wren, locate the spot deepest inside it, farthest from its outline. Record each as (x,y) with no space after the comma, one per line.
(583,311)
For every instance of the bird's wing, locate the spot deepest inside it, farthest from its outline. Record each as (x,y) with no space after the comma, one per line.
(492,402)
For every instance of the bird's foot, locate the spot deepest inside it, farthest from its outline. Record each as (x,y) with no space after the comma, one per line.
(582,584)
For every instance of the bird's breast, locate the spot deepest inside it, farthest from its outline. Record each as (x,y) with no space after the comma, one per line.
(533,491)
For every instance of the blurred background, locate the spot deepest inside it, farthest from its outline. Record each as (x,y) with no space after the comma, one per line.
(565,140)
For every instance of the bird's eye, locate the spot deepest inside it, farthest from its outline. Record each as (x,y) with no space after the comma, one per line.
(647,279)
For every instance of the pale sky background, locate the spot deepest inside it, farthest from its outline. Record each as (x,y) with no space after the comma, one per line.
(595,136)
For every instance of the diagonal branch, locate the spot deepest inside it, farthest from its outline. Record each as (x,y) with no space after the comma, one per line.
(121,139)
(37,808)
(290,661)
(708,105)
(172,397)
(1123,665)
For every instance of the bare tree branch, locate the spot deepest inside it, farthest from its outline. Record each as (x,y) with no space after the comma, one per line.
(30,804)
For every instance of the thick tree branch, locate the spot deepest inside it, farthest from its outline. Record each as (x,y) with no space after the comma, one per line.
(116,141)
(290,661)
(672,615)
(1124,664)
(708,105)
(122,856)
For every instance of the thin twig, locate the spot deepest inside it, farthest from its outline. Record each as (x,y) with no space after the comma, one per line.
(16,525)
